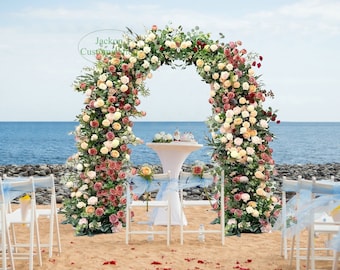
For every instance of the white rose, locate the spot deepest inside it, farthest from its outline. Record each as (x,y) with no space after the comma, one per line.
(69,184)
(99,103)
(151,36)
(106,123)
(213,47)
(238,141)
(109,83)
(140,43)
(146,64)
(115,143)
(102,77)
(216,86)
(229,136)
(224,75)
(117,116)
(104,150)
(94,137)
(154,59)
(215,76)
(234,154)
(218,119)
(250,151)
(80,167)
(220,66)
(88,92)
(91,174)
(244,179)
(250,108)
(147,49)
(245,86)
(124,88)
(84,145)
(173,45)
(132,44)
(245,197)
(124,79)
(237,110)
(223,139)
(229,67)
(245,114)
(92,200)
(86,117)
(189,43)
(78,194)
(256,140)
(132,60)
(183,45)
(212,93)
(251,72)
(81,205)
(263,123)
(250,209)
(207,68)
(235,78)
(255,214)
(102,86)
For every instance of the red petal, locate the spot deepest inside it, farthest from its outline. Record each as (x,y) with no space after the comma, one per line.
(154,262)
(200,261)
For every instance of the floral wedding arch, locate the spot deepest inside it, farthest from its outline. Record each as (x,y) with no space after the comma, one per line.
(239,128)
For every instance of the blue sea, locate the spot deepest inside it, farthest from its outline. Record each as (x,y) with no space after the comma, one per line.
(52,142)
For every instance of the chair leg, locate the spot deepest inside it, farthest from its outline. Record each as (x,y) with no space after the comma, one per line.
(335,260)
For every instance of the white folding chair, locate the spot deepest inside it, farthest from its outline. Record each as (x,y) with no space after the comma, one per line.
(13,189)
(47,183)
(152,204)
(50,211)
(6,247)
(187,179)
(310,218)
(323,224)
(288,222)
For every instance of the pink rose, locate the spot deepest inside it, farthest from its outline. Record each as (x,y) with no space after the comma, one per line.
(99,212)
(110,135)
(94,123)
(92,151)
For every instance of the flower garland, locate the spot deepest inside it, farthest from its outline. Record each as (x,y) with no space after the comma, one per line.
(239,126)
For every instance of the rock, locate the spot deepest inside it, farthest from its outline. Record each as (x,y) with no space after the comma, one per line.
(307,171)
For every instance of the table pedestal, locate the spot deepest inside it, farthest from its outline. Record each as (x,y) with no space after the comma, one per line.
(172,156)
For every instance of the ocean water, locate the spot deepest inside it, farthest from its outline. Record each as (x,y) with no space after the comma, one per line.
(52,142)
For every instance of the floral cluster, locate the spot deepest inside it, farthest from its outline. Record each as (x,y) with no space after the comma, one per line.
(199,168)
(146,172)
(162,137)
(239,126)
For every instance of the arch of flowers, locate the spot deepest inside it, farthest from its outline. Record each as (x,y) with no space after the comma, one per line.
(238,124)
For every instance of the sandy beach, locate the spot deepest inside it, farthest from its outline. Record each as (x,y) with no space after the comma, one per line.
(109,251)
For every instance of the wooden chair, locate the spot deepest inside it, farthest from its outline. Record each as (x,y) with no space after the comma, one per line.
(152,204)
(187,179)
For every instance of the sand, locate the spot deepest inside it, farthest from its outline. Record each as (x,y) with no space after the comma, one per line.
(109,251)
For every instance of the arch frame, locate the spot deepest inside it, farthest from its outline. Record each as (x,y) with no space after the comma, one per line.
(239,127)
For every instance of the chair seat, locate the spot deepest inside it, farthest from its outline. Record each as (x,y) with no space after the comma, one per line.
(198,202)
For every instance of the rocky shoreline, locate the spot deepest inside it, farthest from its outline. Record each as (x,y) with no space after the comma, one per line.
(307,171)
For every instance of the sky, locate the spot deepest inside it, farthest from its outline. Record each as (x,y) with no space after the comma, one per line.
(40,59)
